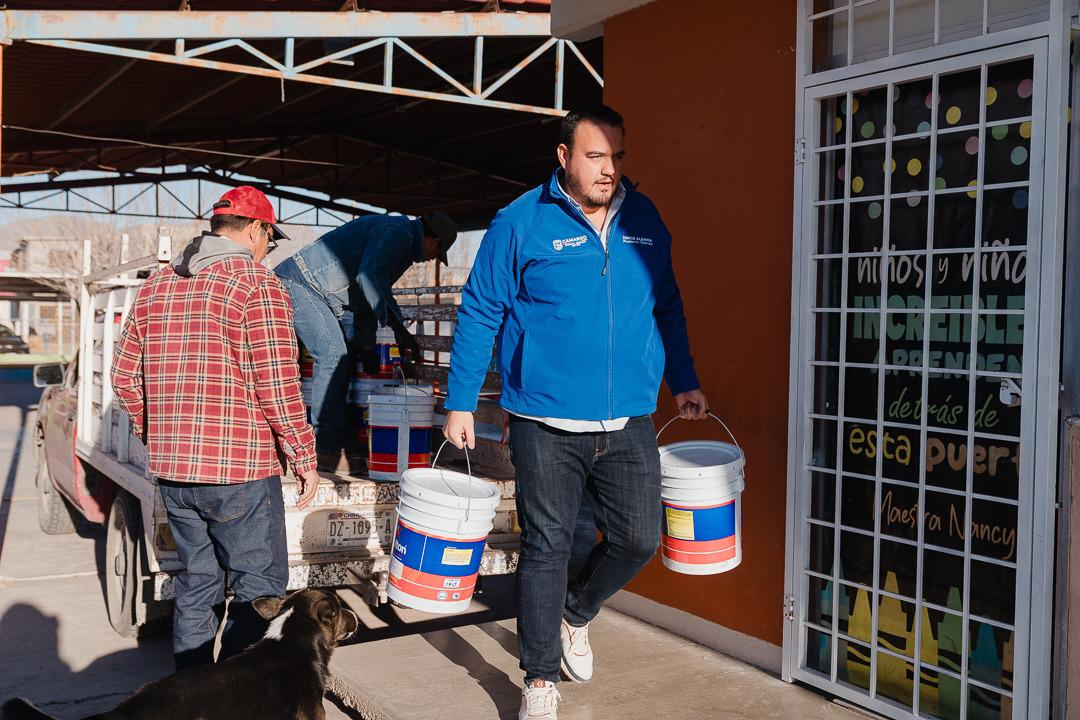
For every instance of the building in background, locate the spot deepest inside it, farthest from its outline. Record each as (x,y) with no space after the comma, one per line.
(868,204)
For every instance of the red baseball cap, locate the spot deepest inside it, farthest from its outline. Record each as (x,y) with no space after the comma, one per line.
(249,202)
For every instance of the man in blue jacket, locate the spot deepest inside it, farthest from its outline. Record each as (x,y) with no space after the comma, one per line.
(574,279)
(354,267)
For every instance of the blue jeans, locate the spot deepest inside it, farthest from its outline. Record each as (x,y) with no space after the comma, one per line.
(621,471)
(319,329)
(226,535)
(584,535)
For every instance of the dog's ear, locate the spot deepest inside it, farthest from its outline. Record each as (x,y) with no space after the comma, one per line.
(326,612)
(268,607)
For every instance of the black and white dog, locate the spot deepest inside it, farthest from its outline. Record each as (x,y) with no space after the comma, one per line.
(281,677)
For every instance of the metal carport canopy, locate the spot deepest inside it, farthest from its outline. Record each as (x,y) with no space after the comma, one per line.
(456,112)
(211,25)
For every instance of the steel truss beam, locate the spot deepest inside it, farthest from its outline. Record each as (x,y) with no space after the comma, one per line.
(45,195)
(348,172)
(73,29)
(223,25)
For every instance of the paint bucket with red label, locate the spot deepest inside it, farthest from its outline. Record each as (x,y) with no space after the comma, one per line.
(701,485)
(444,519)
(399,429)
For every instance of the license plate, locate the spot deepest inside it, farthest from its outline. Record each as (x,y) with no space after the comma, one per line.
(359,529)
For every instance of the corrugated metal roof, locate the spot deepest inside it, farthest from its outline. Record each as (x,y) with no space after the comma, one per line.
(403,153)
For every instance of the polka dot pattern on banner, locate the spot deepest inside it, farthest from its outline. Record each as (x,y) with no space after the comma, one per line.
(914,201)
(924,127)
(952,115)
(1025,129)
(841,172)
(867,130)
(991,95)
(1024,88)
(1019,155)
(971,147)
(929,101)
(914,167)
(939,183)
(1020,199)
(939,162)
(857,184)
(854,105)
(891,166)
(874,210)
(972,193)
(998,132)
(838,125)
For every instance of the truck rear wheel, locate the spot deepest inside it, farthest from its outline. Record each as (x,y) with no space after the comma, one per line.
(55,514)
(125,573)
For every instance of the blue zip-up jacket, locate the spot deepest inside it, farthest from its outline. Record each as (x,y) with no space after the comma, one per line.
(583,334)
(356,265)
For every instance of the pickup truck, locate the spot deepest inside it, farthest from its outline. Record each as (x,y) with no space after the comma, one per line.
(92,468)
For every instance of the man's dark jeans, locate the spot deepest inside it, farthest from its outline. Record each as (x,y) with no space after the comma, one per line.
(226,535)
(621,471)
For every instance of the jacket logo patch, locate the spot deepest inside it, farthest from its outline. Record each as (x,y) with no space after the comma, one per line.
(569,242)
(636,240)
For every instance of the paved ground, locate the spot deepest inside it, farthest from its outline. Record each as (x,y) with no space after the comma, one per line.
(56,645)
(642,673)
(57,648)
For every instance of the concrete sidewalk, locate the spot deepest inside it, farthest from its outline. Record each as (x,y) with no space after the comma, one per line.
(471,672)
(57,648)
(56,645)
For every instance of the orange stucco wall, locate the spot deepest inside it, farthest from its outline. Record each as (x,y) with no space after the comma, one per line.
(707,90)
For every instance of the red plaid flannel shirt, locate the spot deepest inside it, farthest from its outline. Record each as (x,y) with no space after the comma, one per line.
(207,369)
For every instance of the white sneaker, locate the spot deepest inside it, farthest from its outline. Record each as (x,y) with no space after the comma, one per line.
(539,701)
(576,652)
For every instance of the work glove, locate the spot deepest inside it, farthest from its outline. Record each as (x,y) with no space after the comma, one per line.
(369,358)
(407,345)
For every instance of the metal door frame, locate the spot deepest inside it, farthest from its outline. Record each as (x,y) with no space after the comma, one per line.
(1040,366)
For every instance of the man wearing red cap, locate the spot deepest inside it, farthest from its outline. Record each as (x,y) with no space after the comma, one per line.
(206,368)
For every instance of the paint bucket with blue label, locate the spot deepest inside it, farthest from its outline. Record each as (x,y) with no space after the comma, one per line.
(399,429)
(360,389)
(701,485)
(444,518)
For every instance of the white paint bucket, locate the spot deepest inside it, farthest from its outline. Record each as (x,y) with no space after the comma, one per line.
(399,430)
(701,485)
(360,388)
(444,519)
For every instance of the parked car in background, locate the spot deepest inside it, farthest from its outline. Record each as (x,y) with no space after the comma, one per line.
(10,342)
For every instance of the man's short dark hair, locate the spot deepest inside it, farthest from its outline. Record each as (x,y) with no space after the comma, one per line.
(599,114)
(229,222)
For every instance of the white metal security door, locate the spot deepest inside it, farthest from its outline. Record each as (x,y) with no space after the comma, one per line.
(914,499)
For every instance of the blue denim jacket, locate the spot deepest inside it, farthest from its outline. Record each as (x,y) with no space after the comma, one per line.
(355,266)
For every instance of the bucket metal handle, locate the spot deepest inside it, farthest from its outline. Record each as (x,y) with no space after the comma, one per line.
(730,434)
(468,465)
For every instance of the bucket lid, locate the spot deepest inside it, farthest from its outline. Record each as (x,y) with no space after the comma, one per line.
(704,493)
(700,458)
(726,480)
(449,489)
(446,518)
(398,394)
